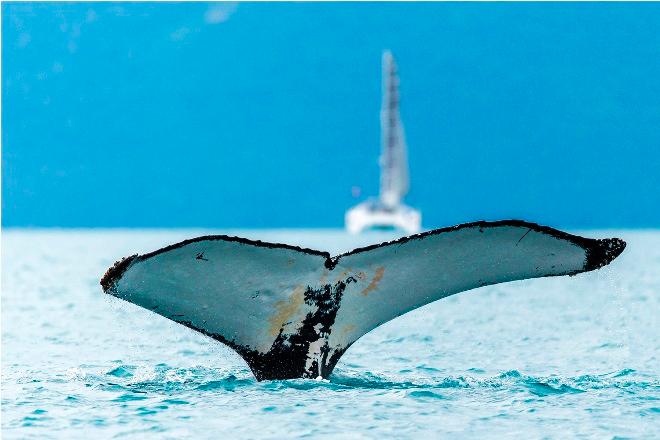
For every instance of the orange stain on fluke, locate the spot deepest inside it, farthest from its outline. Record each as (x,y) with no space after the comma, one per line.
(284,310)
(346,329)
(374,282)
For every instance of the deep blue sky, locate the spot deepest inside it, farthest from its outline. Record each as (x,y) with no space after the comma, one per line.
(266,115)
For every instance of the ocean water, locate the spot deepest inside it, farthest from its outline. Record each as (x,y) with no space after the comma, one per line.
(557,357)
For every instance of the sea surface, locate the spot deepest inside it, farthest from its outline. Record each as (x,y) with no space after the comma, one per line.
(552,358)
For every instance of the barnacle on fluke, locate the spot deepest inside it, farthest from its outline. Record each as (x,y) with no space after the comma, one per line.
(292,312)
(115,272)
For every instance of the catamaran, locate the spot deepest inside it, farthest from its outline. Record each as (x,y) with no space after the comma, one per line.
(388,211)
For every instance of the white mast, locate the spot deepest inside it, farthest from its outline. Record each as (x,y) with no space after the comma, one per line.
(393,161)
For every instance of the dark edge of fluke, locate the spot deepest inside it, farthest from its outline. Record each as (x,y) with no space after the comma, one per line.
(230,238)
(585,243)
(113,274)
(600,252)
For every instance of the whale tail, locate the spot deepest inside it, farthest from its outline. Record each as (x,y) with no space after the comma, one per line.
(292,312)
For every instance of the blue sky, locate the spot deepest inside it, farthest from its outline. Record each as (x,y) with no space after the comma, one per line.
(267,115)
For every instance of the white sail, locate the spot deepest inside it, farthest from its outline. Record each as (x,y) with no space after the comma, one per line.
(393,161)
(388,210)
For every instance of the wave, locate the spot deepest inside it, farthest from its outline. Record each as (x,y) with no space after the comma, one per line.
(132,380)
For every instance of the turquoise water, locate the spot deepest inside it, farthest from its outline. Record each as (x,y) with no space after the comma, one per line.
(558,357)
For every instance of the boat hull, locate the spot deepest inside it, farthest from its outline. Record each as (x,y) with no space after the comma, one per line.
(369,216)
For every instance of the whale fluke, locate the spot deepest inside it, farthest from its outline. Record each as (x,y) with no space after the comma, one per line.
(292,312)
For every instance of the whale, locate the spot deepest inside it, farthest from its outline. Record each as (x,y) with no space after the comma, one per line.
(292,312)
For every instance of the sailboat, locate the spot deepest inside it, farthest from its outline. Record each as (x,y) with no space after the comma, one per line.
(388,211)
